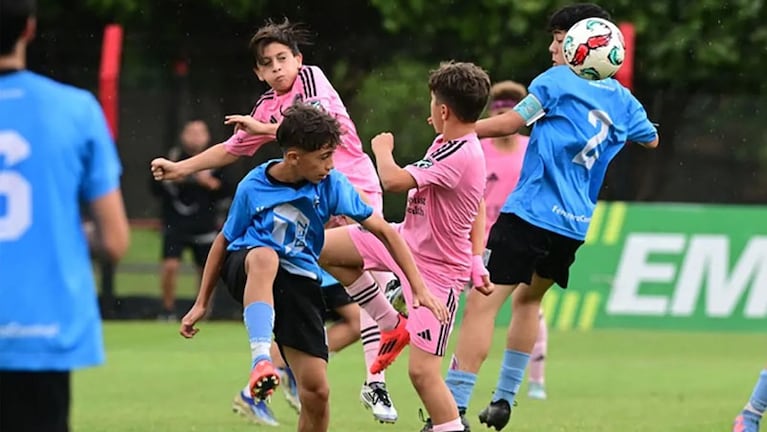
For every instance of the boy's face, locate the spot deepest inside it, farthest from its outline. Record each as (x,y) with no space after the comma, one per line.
(195,137)
(557,56)
(438,112)
(313,166)
(278,66)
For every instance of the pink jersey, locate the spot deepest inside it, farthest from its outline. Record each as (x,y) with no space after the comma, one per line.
(503,170)
(440,213)
(311,86)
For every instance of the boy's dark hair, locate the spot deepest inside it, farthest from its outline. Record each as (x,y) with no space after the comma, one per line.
(307,128)
(463,87)
(13,20)
(566,17)
(292,35)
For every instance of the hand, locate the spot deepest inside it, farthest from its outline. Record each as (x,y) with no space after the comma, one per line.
(480,277)
(426,299)
(206,179)
(430,121)
(248,124)
(188,330)
(383,142)
(163,169)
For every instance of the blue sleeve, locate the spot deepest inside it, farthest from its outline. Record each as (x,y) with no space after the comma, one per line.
(345,201)
(102,167)
(239,217)
(544,88)
(640,129)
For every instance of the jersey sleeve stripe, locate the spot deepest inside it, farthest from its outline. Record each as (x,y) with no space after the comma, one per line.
(310,87)
(447,150)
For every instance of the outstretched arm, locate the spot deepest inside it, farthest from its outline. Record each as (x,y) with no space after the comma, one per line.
(210,275)
(213,157)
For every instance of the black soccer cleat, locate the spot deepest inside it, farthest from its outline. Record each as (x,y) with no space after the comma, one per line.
(429,426)
(496,415)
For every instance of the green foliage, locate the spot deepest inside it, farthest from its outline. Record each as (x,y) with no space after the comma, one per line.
(679,44)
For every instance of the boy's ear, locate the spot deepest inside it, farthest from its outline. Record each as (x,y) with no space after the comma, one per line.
(255,71)
(291,155)
(300,59)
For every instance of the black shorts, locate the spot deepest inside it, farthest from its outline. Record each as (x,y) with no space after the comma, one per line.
(335,297)
(173,245)
(34,401)
(299,306)
(519,249)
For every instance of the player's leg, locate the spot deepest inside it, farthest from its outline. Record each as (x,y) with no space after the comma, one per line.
(22,393)
(299,330)
(556,255)
(345,255)
(171,261)
(427,348)
(247,273)
(749,418)
(536,382)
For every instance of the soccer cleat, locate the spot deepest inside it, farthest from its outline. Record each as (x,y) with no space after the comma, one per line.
(263,380)
(375,398)
(290,388)
(496,415)
(536,391)
(394,294)
(255,411)
(745,423)
(392,343)
(429,426)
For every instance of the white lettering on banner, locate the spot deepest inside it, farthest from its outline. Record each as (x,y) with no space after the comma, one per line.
(634,269)
(705,268)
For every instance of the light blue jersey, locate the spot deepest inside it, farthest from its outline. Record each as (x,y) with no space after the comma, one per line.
(290,218)
(55,152)
(584,124)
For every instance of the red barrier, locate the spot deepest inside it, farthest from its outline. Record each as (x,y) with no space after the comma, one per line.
(625,74)
(109,74)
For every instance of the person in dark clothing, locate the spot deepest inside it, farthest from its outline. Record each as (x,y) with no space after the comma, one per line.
(189,212)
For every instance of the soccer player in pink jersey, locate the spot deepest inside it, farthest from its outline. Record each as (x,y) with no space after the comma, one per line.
(443,226)
(279,62)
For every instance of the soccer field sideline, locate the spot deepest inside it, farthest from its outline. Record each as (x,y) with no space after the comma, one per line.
(597,381)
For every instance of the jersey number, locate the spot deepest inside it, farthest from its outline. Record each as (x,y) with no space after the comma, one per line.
(15,190)
(590,152)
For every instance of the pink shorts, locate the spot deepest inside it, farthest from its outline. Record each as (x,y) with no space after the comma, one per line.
(426,332)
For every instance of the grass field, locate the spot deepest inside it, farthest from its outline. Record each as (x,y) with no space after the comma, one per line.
(600,381)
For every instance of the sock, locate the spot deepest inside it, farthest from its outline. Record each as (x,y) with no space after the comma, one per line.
(366,292)
(757,404)
(259,320)
(371,338)
(512,373)
(451,426)
(538,356)
(461,385)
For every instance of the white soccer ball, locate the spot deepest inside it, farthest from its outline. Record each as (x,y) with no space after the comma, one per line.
(594,49)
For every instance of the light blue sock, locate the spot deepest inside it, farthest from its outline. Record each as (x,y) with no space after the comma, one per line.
(259,320)
(461,385)
(757,404)
(512,373)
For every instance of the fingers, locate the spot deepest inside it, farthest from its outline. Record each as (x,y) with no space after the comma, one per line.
(188,330)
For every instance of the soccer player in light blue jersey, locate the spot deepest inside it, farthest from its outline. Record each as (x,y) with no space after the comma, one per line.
(749,418)
(267,255)
(55,154)
(578,126)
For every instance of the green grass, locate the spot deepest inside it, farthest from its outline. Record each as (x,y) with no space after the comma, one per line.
(601,381)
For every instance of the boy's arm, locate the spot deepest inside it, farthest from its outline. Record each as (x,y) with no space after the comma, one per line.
(404,259)
(210,275)
(526,112)
(393,177)
(213,157)
(479,275)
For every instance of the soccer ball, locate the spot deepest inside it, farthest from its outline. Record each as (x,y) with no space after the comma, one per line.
(594,48)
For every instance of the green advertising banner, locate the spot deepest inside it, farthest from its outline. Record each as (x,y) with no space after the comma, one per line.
(666,266)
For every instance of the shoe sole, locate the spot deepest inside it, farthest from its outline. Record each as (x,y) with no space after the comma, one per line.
(483,419)
(376,418)
(265,387)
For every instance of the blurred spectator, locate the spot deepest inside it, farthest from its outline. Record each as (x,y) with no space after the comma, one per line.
(189,213)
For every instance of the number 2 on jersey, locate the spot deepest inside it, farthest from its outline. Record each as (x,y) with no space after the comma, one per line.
(590,153)
(15,190)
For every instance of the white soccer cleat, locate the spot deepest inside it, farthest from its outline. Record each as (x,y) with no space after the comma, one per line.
(536,391)
(375,398)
